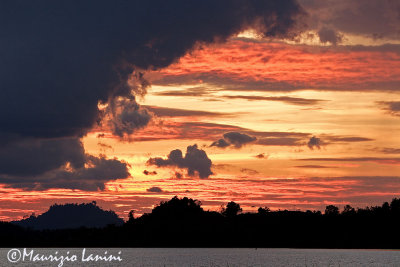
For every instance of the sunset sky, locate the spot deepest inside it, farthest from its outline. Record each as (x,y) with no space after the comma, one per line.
(284,104)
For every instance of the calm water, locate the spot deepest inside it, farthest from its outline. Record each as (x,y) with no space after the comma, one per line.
(212,257)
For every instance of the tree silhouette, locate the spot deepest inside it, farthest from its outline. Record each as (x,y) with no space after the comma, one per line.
(331,210)
(348,210)
(232,209)
(131,216)
(177,207)
(395,206)
(181,222)
(263,211)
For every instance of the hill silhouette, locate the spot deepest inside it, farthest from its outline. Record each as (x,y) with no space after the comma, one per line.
(182,222)
(69,216)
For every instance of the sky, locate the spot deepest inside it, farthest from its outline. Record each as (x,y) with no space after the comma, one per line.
(281,104)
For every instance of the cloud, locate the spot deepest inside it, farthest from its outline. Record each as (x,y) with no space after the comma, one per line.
(380,160)
(195,161)
(238,139)
(373,67)
(392,107)
(90,54)
(345,139)
(314,142)
(314,166)
(281,141)
(235,139)
(193,91)
(373,18)
(69,66)
(104,146)
(154,189)
(146,172)
(221,143)
(207,131)
(286,99)
(329,35)
(127,117)
(178,175)
(249,171)
(261,156)
(389,150)
(91,177)
(25,157)
(175,112)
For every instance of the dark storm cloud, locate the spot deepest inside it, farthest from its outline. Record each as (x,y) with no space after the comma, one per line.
(92,177)
(27,157)
(39,164)
(234,139)
(59,60)
(195,161)
(286,99)
(371,18)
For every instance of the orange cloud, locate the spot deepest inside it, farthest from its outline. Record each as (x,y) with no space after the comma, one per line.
(288,67)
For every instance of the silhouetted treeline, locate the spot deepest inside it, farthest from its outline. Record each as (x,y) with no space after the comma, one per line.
(182,222)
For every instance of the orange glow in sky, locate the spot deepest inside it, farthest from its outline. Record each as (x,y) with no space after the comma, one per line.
(281,95)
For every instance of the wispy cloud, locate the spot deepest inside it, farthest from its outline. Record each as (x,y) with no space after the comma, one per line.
(391,107)
(176,112)
(382,160)
(285,99)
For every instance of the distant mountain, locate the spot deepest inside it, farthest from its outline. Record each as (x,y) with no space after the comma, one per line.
(69,216)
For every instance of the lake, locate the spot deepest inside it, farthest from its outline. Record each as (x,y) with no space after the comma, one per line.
(206,257)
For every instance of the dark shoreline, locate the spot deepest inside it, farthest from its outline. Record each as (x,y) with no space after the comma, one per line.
(182,223)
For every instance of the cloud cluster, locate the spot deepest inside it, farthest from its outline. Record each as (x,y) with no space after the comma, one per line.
(60,60)
(234,139)
(127,117)
(314,142)
(146,172)
(372,18)
(195,161)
